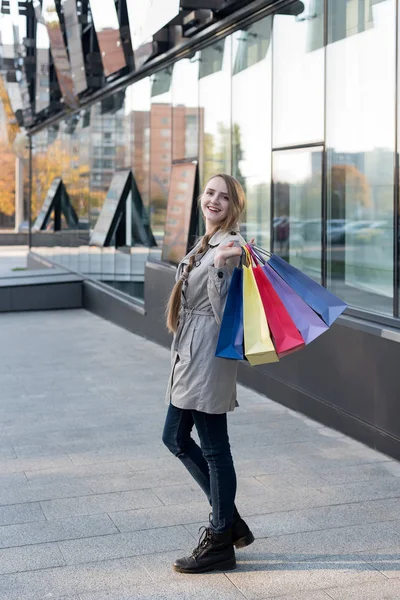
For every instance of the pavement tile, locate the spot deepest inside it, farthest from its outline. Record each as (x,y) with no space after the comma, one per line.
(56,530)
(98,503)
(311,544)
(72,580)
(50,491)
(139,480)
(257,576)
(357,513)
(21,513)
(72,471)
(386,561)
(126,544)
(180,494)
(378,590)
(212,587)
(30,558)
(159,516)
(308,595)
(30,464)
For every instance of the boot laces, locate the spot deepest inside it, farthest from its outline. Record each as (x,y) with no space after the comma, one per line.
(205,539)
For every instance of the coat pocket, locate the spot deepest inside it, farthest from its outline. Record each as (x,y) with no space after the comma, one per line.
(184,349)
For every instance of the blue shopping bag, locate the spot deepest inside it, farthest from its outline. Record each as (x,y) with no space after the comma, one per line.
(230,340)
(323,302)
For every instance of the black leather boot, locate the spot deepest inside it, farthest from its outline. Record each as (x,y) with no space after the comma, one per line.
(241,534)
(214,553)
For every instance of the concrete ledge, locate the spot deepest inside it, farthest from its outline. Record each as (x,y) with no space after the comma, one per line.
(40,289)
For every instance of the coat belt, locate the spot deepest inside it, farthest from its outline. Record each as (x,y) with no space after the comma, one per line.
(194,311)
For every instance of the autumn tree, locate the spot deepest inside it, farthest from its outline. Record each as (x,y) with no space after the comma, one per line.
(7,179)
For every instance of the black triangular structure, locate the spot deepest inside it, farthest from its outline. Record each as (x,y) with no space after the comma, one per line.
(141,229)
(110,228)
(57,199)
(112,209)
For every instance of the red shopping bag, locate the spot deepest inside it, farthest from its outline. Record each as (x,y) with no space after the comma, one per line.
(285,335)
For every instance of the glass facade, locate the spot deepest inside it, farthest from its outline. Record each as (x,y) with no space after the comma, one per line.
(360,144)
(299,107)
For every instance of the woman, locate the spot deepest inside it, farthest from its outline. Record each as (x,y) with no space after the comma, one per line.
(202,388)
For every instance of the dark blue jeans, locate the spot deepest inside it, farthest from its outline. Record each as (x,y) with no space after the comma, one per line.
(211,465)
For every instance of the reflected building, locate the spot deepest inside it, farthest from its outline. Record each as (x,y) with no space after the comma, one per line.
(298,100)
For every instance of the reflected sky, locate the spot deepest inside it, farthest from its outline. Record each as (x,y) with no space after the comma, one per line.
(149,16)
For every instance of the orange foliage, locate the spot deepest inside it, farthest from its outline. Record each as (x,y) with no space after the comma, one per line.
(7,180)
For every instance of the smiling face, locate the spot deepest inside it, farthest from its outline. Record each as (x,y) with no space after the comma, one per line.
(215,202)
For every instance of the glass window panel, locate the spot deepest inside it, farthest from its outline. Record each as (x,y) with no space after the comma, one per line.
(185,108)
(160,134)
(251,118)
(298,56)
(297,208)
(360,147)
(139,117)
(215,113)
(74,38)
(106,24)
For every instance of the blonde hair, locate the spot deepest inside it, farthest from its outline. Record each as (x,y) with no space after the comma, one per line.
(237,203)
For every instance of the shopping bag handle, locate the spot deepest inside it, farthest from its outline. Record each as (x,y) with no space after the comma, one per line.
(256,255)
(261,250)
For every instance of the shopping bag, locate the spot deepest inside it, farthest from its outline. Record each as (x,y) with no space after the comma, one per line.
(285,335)
(258,345)
(323,302)
(230,339)
(306,320)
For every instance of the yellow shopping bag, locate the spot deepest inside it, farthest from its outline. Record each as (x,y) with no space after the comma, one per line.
(258,346)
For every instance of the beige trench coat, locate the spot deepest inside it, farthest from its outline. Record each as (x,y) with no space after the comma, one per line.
(199,380)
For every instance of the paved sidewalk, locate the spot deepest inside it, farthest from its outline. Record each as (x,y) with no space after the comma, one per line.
(93,507)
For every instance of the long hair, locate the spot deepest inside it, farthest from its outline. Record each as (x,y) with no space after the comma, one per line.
(237,202)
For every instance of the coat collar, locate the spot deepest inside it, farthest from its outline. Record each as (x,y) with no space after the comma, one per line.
(220,236)
(215,240)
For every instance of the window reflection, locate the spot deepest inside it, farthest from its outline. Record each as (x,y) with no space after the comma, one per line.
(185,108)
(297,208)
(106,24)
(215,100)
(139,127)
(251,118)
(299,76)
(161,149)
(360,145)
